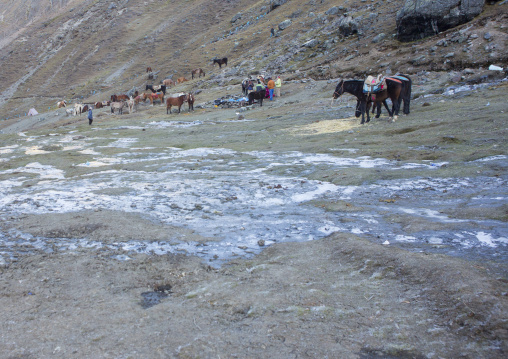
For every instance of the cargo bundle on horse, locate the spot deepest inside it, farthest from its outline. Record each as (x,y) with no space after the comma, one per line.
(197,71)
(156,88)
(223,61)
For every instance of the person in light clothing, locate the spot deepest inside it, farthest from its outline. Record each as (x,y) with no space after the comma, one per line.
(278,85)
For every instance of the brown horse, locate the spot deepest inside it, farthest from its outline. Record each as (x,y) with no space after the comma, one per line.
(223,61)
(97,105)
(153,97)
(197,72)
(168,82)
(116,98)
(61,103)
(181,79)
(148,69)
(175,101)
(190,101)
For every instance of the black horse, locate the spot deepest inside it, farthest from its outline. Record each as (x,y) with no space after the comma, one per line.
(157,88)
(223,61)
(355,88)
(257,95)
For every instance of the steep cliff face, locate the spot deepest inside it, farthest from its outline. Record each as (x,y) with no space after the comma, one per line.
(422,18)
(84,50)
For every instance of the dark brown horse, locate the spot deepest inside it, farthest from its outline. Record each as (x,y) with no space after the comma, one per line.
(198,71)
(116,98)
(190,101)
(175,101)
(223,61)
(355,88)
(257,95)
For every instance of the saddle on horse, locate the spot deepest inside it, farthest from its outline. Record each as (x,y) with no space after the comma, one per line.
(372,85)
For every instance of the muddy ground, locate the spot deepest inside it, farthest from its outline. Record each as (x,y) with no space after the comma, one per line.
(70,285)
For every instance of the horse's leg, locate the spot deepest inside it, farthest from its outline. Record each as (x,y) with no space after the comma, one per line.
(367,111)
(390,113)
(363,106)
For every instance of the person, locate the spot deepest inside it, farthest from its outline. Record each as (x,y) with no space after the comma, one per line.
(272,32)
(90,116)
(278,84)
(259,86)
(271,86)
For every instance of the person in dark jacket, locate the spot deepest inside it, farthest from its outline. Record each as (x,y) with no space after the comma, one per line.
(90,116)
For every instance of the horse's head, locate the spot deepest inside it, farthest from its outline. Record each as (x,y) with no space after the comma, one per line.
(339,90)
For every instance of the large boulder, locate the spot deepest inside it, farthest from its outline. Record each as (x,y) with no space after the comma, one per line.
(348,26)
(421,18)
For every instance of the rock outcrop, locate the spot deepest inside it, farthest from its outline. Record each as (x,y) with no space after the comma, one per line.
(422,18)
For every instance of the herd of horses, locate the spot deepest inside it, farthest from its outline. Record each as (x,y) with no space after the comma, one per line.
(397,88)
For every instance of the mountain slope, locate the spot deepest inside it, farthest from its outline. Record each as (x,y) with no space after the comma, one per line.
(83,50)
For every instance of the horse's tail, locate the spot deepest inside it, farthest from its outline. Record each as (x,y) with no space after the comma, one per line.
(407,94)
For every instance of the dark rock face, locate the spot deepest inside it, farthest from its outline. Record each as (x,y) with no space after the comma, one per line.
(423,18)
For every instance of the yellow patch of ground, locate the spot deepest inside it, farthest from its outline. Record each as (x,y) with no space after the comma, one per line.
(326,126)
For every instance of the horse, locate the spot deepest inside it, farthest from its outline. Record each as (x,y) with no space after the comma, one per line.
(70,111)
(78,107)
(61,104)
(190,101)
(197,72)
(98,105)
(257,95)
(223,61)
(130,104)
(84,109)
(117,98)
(148,69)
(181,79)
(175,101)
(355,87)
(156,88)
(168,82)
(153,96)
(405,94)
(117,106)
(246,84)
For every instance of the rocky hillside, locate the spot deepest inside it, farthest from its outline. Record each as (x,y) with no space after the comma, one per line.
(86,50)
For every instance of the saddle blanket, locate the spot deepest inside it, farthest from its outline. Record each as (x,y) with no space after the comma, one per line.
(374,84)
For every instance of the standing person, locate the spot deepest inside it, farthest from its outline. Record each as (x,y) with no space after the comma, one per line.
(272,32)
(271,86)
(260,86)
(90,116)
(278,84)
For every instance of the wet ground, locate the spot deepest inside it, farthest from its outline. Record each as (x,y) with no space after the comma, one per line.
(280,225)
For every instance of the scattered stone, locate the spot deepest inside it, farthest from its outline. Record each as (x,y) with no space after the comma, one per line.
(425,104)
(285,24)
(450,54)
(332,11)
(261,243)
(311,43)
(487,36)
(379,37)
